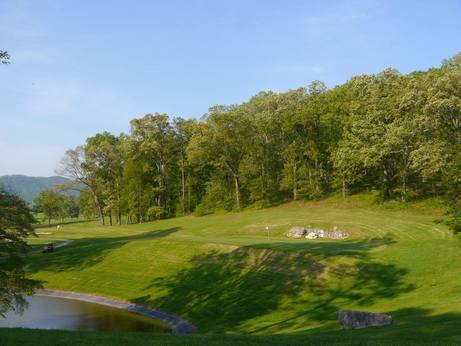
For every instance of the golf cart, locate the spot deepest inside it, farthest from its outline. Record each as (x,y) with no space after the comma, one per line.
(49,247)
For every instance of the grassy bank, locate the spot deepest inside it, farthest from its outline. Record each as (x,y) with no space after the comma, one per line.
(227,275)
(32,337)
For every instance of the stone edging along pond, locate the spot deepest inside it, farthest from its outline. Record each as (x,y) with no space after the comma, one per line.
(177,324)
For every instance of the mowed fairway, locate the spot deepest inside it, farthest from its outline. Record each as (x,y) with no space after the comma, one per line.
(225,274)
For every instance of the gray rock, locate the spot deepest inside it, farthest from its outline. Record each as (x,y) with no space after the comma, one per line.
(321,233)
(296,232)
(349,319)
(318,232)
(338,234)
(312,235)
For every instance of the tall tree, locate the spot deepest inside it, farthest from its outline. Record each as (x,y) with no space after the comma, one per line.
(75,166)
(374,109)
(153,146)
(105,162)
(16,224)
(263,161)
(184,130)
(223,143)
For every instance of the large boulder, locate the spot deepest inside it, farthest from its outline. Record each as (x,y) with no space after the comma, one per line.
(350,319)
(296,232)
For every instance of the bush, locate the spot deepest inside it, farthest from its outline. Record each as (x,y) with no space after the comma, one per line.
(155,213)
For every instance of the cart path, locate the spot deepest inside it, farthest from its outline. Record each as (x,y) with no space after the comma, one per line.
(64,242)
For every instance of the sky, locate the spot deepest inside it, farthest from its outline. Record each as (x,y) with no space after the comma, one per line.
(81,67)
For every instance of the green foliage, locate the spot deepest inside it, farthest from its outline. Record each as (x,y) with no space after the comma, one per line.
(155,213)
(50,203)
(216,197)
(55,205)
(86,205)
(16,224)
(395,133)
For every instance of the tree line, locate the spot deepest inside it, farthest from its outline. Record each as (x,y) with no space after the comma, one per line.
(55,205)
(396,133)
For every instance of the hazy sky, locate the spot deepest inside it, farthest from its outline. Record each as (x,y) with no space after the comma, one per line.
(84,66)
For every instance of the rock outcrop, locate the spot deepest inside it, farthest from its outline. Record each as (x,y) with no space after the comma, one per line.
(314,233)
(337,234)
(296,232)
(350,319)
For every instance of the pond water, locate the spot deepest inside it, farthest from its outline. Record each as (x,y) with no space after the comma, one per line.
(60,313)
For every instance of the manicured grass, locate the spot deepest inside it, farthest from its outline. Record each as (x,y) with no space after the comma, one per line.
(224,274)
(33,337)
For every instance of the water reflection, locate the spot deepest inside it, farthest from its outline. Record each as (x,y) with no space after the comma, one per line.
(60,313)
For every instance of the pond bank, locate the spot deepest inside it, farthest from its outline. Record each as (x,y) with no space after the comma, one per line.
(177,324)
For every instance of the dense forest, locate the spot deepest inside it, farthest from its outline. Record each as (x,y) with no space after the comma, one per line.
(396,133)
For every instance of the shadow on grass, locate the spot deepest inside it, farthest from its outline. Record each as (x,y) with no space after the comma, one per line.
(410,325)
(354,249)
(87,252)
(221,291)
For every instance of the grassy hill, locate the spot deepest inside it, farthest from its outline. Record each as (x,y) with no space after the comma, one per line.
(228,276)
(28,187)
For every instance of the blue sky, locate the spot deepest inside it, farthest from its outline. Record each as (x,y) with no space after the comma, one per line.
(81,67)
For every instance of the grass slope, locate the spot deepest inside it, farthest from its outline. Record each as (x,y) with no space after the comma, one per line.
(223,272)
(33,337)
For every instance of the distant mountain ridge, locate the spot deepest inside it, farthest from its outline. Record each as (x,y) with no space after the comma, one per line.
(28,187)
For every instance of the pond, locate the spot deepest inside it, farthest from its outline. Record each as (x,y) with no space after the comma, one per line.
(46,312)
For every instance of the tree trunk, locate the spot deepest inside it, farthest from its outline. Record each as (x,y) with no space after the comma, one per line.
(263,183)
(188,196)
(138,214)
(344,186)
(386,193)
(110,217)
(161,185)
(119,206)
(317,175)
(101,215)
(237,191)
(98,205)
(49,220)
(264,173)
(404,186)
(406,165)
(295,183)
(183,185)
